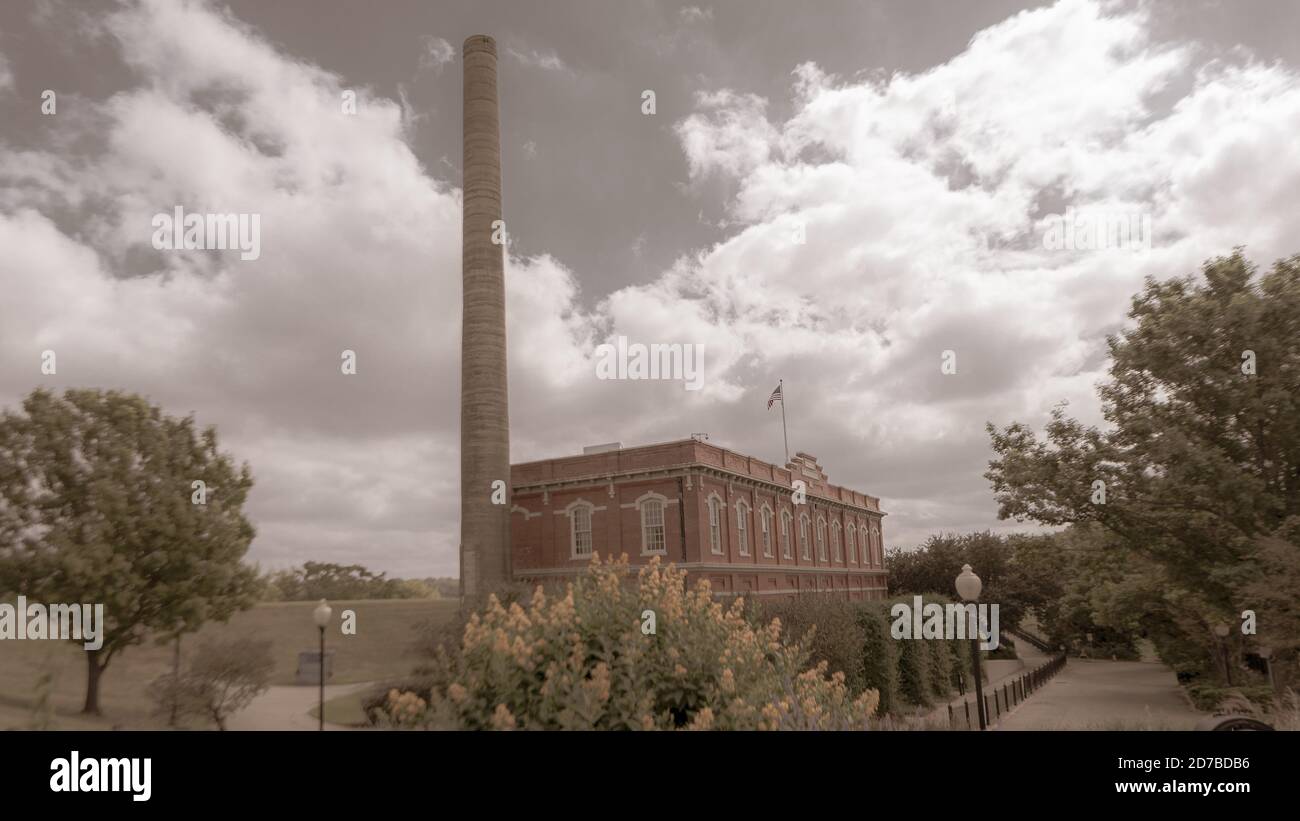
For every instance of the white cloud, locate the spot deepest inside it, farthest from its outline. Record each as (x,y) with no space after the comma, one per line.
(547,59)
(729,133)
(695,14)
(437,53)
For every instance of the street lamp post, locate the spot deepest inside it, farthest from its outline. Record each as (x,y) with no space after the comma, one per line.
(1221,630)
(1266,653)
(968,587)
(321,615)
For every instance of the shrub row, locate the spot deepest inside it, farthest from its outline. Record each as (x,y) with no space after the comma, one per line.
(856,637)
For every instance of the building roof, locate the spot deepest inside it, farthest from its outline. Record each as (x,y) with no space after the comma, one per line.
(685,453)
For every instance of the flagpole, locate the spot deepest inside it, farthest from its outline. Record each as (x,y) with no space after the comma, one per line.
(785,436)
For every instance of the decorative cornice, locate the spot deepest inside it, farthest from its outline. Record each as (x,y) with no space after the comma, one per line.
(720,567)
(689,470)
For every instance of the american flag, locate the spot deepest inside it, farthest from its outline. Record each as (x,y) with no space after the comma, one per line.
(775,397)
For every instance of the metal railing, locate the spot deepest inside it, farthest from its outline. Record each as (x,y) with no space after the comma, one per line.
(1037,641)
(1007,694)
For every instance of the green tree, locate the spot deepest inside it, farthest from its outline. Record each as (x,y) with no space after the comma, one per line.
(1199,461)
(933,568)
(327,580)
(98,505)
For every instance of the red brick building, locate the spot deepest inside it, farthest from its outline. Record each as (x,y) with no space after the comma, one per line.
(734,519)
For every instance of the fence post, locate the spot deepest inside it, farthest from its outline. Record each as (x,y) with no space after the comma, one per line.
(966,704)
(949,715)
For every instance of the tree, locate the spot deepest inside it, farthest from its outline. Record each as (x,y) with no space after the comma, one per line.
(326,580)
(933,568)
(223,678)
(1199,465)
(98,504)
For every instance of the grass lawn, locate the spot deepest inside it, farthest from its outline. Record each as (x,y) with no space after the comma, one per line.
(384,647)
(345,709)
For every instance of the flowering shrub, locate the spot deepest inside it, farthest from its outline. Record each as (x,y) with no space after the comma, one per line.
(582,661)
(405,709)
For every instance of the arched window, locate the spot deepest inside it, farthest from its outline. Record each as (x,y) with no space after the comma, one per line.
(835,542)
(786,518)
(850,542)
(652,527)
(877,557)
(742,527)
(765,529)
(804,550)
(580,530)
(821,539)
(715,524)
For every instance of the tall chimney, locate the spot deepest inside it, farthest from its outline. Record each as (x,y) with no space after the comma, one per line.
(484,411)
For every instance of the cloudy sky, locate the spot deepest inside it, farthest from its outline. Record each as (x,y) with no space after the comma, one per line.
(922,149)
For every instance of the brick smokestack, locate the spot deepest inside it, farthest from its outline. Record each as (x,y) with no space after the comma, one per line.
(484,411)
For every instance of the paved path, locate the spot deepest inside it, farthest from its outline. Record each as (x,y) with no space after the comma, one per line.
(288,708)
(1106,695)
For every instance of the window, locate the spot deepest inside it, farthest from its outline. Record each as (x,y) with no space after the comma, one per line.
(580,526)
(785,534)
(803,537)
(652,527)
(765,523)
(715,524)
(742,527)
(849,542)
(875,547)
(835,542)
(821,539)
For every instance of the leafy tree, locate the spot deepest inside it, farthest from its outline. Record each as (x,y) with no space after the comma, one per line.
(933,568)
(1101,598)
(97,505)
(326,580)
(1200,459)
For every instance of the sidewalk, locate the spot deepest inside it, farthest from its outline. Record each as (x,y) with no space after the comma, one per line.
(1090,694)
(289,708)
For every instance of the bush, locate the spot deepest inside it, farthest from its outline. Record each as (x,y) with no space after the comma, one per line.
(223,677)
(1119,650)
(940,668)
(827,627)
(878,655)
(588,661)
(1006,649)
(848,636)
(1209,696)
(914,671)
